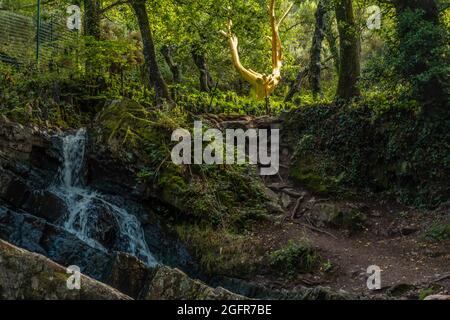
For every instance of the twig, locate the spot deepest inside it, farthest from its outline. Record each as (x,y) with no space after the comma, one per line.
(443,277)
(297,205)
(292,193)
(277,187)
(281,178)
(309,226)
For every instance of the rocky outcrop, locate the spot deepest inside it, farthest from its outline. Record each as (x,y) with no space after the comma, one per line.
(335,216)
(26,275)
(439,297)
(129,275)
(173,284)
(134,278)
(37,235)
(32,216)
(29,161)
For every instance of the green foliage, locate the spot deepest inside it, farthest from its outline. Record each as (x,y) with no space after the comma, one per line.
(413,61)
(327,266)
(421,52)
(227,102)
(294,258)
(395,151)
(439,232)
(432,289)
(225,196)
(28,96)
(223,252)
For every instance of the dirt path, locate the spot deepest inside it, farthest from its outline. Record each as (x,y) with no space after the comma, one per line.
(392,237)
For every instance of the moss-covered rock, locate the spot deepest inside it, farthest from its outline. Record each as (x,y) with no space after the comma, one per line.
(336,216)
(306,172)
(30,276)
(216,195)
(217,200)
(173,284)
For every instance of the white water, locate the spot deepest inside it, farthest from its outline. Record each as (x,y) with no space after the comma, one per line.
(82,203)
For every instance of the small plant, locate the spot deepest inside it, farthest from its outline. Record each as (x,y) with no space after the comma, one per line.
(327,266)
(425,292)
(439,232)
(294,258)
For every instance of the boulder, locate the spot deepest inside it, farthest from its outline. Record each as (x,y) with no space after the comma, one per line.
(30,276)
(438,297)
(173,284)
(37,235)
(336,216)
(119,270)
(28,144)
(128,274)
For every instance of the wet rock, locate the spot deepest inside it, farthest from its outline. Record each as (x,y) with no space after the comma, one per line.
(169,284)
(112,176)
(16,192)
(37,235)
(26,275)
(47,205)
(104,226)
(128,274)
(28,145)
(25,231)
(41,203)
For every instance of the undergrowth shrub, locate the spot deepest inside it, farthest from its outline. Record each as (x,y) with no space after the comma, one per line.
(294,258)
(395,150)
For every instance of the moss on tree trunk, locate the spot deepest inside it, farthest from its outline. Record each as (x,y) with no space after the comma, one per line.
(153,72)
(350,68)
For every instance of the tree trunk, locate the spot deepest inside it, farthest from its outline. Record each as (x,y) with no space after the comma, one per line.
(316,50)
(331,37)
(92,18)
(151,65)
(206,81)
(296,85)
(167,52)
(349,65)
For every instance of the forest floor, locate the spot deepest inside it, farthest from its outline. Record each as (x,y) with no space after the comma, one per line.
(393,237)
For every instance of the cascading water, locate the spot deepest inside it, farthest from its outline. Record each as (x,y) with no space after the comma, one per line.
(87,207)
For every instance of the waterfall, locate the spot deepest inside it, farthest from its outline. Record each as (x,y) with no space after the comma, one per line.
(74,151)
(91,217)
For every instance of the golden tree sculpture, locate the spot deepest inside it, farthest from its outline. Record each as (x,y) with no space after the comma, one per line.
(264,84)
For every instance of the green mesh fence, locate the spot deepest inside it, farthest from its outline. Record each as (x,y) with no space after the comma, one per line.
(24,41)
